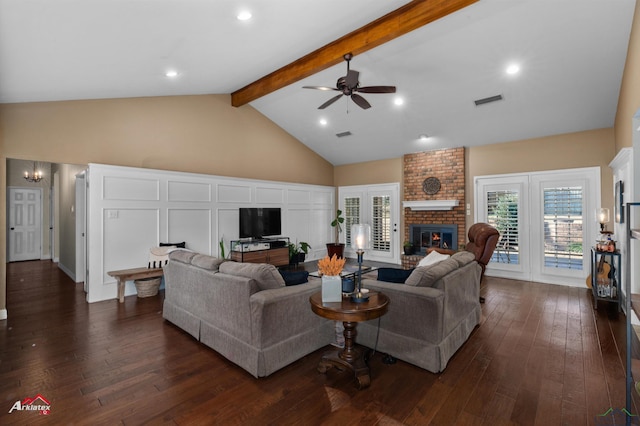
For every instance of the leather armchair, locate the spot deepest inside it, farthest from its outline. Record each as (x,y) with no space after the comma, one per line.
(483,239)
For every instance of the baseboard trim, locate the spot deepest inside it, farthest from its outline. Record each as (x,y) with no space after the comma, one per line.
(67,271)
(3,314)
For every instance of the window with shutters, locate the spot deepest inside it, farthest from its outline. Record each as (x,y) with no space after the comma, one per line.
(562,223)
(351,216)
(381,223)
(502,213)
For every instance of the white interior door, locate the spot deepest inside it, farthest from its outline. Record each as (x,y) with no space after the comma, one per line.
(80,212)
(25,224)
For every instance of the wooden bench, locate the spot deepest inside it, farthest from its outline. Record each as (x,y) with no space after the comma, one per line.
(125,275)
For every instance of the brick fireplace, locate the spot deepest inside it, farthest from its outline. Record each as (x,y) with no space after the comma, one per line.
(447,165)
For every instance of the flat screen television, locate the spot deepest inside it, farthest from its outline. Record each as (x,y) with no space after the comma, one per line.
(259,222)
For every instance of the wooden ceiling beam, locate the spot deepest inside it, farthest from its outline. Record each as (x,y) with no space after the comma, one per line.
(394,24)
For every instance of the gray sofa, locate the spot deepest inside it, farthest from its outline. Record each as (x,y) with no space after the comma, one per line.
(244,311)
(430,316)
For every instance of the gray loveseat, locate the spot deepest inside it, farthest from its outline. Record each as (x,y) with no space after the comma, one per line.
(244,311)
(430,316)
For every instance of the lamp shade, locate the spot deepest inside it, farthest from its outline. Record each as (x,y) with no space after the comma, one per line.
(360,236)
(603,215)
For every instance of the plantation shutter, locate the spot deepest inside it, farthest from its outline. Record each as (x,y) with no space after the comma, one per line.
(381,223)
(351,216)
(563,221)
(502,213)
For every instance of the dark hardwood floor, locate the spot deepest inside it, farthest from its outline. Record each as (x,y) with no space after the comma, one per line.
(542,355)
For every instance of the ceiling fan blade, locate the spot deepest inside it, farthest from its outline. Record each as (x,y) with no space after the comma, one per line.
(377,89)
(360,101)
(352,78)
(319,87)
(330,101)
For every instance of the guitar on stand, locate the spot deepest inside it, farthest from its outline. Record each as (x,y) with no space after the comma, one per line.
(602,273)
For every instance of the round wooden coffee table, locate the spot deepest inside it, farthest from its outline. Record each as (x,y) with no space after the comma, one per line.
(350,313)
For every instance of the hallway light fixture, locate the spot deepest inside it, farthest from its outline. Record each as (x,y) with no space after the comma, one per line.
(33,177)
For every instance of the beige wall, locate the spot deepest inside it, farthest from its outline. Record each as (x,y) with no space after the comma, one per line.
(371,172)
(200,134)
(629,100)
(571,150)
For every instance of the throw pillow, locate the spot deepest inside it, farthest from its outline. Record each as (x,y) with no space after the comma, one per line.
(294,277)
(266,276)
(433,257)
(394,275)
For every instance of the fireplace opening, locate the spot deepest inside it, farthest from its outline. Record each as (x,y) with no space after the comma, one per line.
(425,236)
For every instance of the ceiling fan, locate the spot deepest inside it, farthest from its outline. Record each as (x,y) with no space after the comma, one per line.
(349,84)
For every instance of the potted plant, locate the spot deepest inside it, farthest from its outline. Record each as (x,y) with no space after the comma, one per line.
(336,247)
(408,248)
(298,252)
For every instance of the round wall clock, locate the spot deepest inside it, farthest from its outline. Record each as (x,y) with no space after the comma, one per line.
(431,185)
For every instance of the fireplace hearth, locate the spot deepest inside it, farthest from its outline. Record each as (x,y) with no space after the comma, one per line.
(425,236)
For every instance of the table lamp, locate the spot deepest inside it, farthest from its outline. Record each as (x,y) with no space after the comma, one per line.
(360,240)
(603,218)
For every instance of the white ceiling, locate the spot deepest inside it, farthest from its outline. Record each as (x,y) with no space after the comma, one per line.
(571,54)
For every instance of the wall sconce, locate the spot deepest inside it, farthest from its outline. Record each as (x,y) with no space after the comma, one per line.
(360,241)
(603,218)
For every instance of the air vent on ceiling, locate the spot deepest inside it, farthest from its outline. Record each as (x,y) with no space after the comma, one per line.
(343,134)
(483,101)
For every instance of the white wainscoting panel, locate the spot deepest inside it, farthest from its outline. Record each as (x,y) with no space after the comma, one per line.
(117,188)
(128,236)
(297,196)
(269,195)
(131,210)
(189,191)
(192,226)
(234,193)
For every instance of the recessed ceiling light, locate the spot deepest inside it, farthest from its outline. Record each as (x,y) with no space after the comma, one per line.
(323,122)
(245,15)
(398,101)
(423,137)
(513,69)
(171,73)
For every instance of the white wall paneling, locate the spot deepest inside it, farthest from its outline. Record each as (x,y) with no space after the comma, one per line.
(131,210)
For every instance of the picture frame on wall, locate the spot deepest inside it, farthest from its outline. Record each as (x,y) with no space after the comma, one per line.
(619,202)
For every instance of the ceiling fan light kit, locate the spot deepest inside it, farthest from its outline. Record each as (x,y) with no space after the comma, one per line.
(349,85)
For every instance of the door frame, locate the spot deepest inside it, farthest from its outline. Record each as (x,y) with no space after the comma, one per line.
(8,215)
(365,192)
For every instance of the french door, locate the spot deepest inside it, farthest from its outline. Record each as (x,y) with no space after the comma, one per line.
(546,220)
(378,206)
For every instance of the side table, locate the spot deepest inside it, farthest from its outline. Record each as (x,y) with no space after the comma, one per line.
(606,287)
(351,356)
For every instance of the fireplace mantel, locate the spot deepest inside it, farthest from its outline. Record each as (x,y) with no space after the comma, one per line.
(423,205)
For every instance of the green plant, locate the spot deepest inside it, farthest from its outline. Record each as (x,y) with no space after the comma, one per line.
(301,247)
(337,224)
(407,244)
(221,244)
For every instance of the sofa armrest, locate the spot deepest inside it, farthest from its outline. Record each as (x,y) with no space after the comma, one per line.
(281,313)
(414,311)
(461,294)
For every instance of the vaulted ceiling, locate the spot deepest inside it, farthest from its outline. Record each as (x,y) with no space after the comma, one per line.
(571,56)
